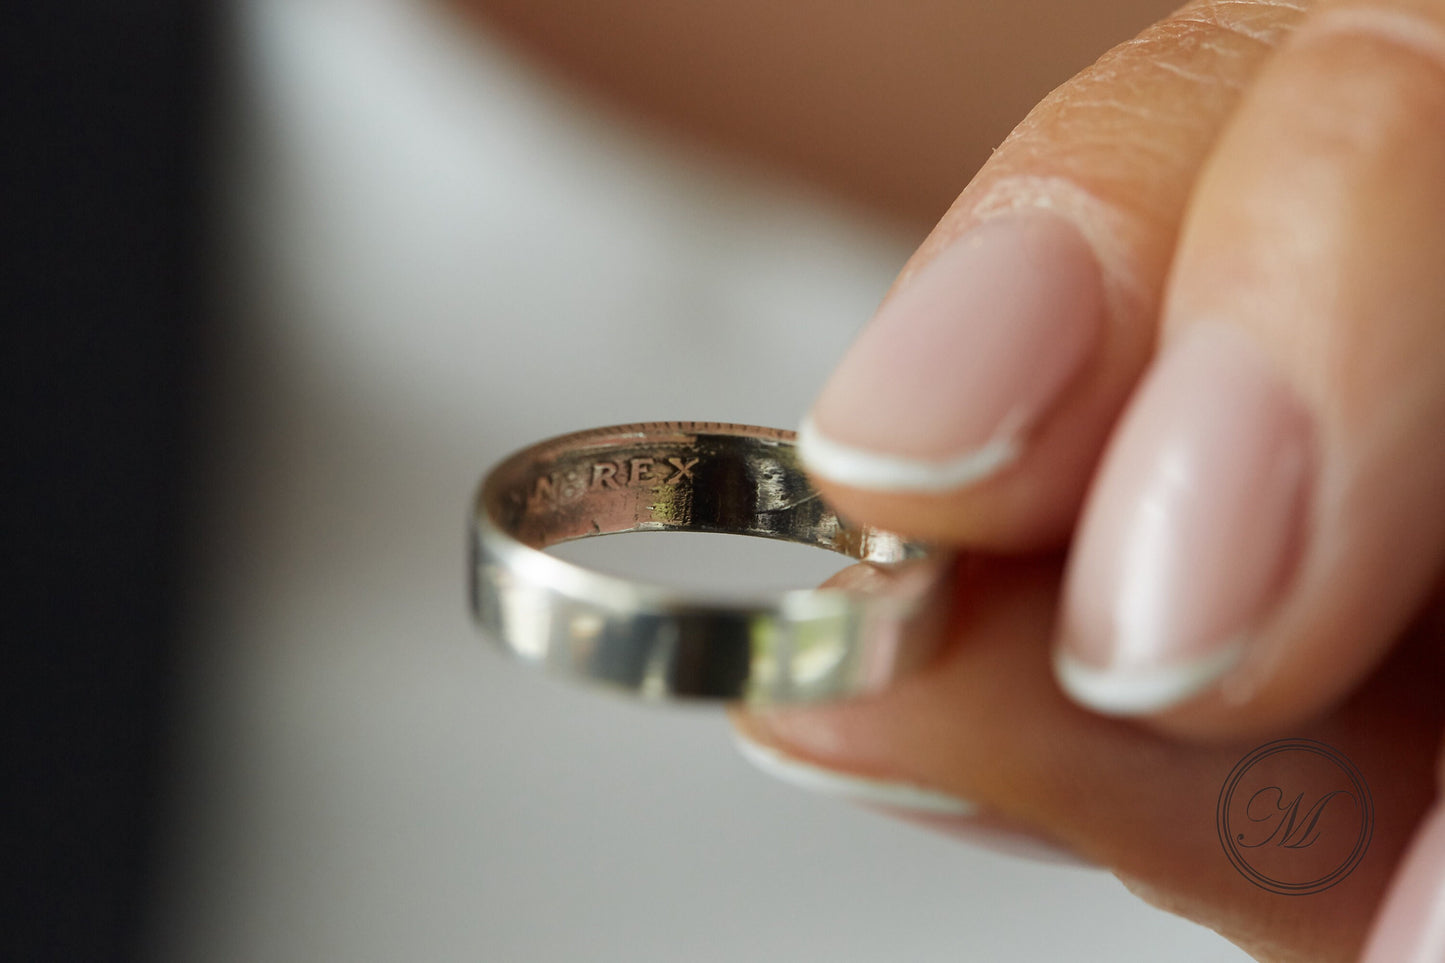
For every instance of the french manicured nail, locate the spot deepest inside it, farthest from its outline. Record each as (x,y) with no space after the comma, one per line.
(1411,926)
(926,807)
(1191,531)
(941,388)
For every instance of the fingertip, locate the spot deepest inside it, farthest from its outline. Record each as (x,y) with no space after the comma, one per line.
(951,385)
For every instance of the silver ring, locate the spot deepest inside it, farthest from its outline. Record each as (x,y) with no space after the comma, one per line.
(865,627)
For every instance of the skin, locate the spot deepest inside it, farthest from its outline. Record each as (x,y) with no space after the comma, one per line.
(987,724)
(1274,164)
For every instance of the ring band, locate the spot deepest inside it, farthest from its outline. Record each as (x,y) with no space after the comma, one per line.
(865,627)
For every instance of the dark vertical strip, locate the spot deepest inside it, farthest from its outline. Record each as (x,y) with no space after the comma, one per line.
(101,270)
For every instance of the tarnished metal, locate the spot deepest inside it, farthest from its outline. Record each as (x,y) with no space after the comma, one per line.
(865,627)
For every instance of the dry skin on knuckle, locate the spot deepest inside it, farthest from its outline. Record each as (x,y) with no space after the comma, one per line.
(1116,149)
(1132,129)
(1263,21)
(1181,75)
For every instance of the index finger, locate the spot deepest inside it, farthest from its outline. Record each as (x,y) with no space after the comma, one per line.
(973,408)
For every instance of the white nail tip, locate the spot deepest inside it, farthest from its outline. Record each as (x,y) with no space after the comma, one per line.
(1121,691)
(871,792)
(861,468)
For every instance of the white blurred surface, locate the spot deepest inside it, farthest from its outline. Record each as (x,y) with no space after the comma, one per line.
(449,257)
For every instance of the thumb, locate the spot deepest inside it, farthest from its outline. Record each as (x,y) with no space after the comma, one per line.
(984,740)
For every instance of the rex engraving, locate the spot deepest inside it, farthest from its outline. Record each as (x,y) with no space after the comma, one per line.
(563,487)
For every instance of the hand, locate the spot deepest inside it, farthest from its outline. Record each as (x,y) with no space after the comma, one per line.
(1189,321)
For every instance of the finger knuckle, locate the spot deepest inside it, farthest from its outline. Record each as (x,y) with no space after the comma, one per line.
(1203,32)
(1225,25)
(1128,138)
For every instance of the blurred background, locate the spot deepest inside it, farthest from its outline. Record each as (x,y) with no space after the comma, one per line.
(438,246)
(445,253)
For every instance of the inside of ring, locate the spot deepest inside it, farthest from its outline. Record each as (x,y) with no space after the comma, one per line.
(695,482)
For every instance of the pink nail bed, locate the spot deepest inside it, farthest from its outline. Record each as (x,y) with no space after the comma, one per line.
(1192,528)
(962,360)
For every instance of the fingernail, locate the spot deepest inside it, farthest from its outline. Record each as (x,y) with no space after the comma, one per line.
(961,362)
(1411,926)
(1192,529)
(926,807)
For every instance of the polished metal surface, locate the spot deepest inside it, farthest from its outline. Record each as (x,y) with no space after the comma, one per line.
(866,626)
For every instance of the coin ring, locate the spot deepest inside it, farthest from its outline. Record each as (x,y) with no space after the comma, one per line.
(862,629)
